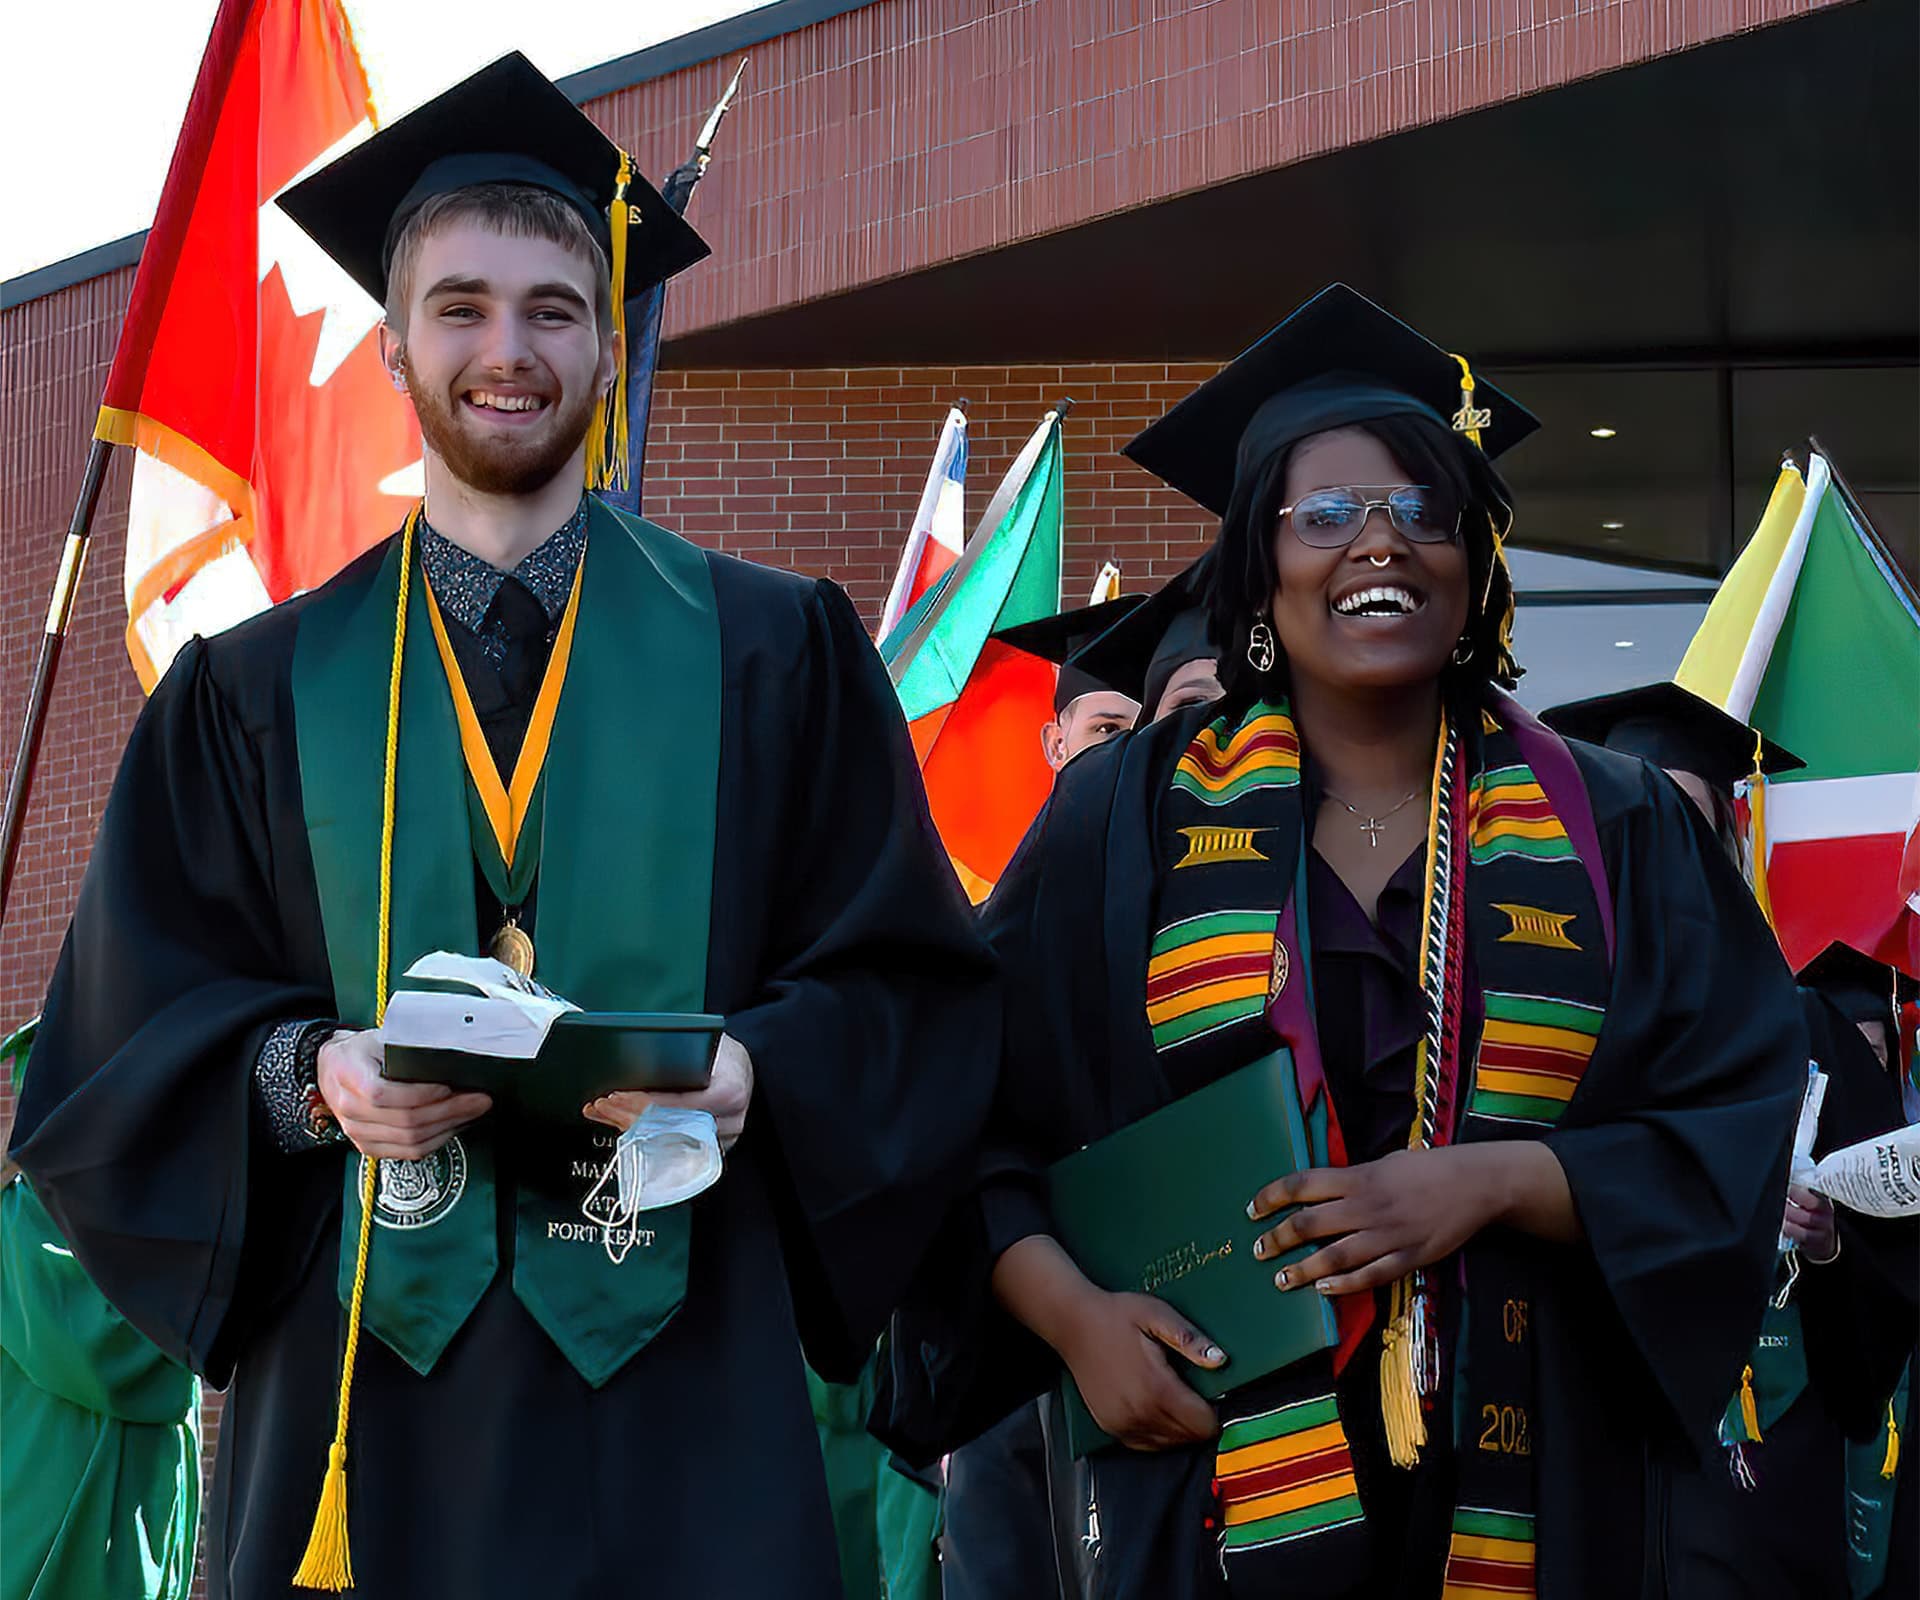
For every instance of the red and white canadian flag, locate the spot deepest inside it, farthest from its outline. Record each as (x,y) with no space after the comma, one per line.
(270,446)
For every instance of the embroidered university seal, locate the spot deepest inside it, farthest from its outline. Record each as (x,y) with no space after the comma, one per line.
(417,1194)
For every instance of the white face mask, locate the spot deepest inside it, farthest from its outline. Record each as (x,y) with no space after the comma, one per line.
(666,1156)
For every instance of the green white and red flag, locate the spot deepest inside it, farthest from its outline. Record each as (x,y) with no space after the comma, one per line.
(1814,639)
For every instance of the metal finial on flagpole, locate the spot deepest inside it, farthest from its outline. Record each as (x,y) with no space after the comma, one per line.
(703,146)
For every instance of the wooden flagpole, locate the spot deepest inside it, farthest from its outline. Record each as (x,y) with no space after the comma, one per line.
(66,585)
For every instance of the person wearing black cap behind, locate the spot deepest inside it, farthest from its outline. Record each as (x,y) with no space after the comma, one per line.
(1087,711)
(727,819)
(1707,752)
(1161,654)
(1558,1111)
(1773,1519)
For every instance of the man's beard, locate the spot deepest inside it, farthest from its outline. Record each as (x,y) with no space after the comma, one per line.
(501,465)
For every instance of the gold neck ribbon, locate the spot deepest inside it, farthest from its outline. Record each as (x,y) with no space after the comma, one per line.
(506,804)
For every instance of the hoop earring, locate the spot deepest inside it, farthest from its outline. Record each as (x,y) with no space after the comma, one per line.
(1463,651)
(1260,646)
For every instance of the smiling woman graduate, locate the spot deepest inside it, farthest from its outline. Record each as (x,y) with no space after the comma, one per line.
(1546,1049)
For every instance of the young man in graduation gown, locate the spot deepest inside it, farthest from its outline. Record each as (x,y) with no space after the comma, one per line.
(713,808)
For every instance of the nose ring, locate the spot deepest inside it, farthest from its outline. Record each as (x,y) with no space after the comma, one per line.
(1380,561)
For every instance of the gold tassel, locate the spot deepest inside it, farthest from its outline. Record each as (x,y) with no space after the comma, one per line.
(1749,1410)
(328,1561)
(1891,1464)
(1400,1409)
(607,437)
(1757,810)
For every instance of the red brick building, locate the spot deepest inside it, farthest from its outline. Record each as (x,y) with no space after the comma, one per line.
(1688,220)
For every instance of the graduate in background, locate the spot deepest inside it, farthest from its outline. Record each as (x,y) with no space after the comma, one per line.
(1768,1521)
(1087,711)
(714,808)
(100,1477)
(1556,1117)
(1161,654)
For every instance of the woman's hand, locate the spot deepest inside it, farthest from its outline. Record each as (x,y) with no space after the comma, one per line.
(1115,1345)
(1117,1350)
(1810,1224)
(1408,1210)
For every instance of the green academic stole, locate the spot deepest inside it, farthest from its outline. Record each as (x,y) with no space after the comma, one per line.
(620,831)
(1230,966)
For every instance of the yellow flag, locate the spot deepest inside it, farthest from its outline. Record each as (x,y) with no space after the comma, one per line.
(1713,659)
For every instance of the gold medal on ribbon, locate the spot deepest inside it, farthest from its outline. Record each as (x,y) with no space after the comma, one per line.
(512,947)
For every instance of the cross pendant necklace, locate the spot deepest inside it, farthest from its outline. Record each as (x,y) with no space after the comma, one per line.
(1371,826)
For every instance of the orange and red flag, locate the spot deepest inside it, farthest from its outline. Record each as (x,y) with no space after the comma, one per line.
(271,448)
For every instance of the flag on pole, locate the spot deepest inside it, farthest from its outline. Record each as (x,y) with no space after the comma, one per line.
(645,314)
(1814,639)
(975,706)
(1105,587)
(270,447)
(935,542)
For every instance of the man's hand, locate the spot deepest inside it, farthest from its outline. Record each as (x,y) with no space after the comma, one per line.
(1409,1209)
(726,1097)
(1116,1349)
(389,1121)
(1810,1224)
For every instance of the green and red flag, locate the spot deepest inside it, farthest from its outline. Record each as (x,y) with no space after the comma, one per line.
(1814,639)
(976,706)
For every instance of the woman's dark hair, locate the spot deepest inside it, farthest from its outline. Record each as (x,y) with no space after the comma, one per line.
(1245,575)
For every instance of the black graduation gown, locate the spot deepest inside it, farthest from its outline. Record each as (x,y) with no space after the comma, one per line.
(1785,1537)
(1675,1151)
(844,957)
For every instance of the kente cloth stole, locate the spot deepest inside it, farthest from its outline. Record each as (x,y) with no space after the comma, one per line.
(620,835)
(1230,965)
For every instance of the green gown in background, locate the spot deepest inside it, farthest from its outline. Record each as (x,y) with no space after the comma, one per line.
(100,1474)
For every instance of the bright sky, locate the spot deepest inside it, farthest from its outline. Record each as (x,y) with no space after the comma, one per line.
(92,91)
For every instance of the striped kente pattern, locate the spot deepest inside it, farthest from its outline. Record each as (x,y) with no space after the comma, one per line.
(1262,753)
(1208,972)
(1532,1055)
(1284,1475)
(1490,1556)
(1508,815)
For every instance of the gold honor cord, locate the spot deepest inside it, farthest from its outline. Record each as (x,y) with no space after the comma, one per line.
(328,1562)
(1405,1340)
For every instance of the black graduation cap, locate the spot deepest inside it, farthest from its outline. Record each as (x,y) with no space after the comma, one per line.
(1865,990)
(1058,637)
(1339,359)
(1138,654)
(505,124)
(1674,728)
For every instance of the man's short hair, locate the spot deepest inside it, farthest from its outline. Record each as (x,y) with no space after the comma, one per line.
(518,210)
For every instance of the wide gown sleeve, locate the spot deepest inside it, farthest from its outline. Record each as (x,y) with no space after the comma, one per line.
(873,1029)
(137,1122)
(1675,1147)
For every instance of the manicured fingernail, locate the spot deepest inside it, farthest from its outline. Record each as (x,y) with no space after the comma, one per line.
(1259,1248)
(1325,1286)
(1215,1353)
(1280,1279)
(1253,1210)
